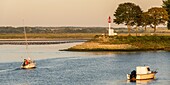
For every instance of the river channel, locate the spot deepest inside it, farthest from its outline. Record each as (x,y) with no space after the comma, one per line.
(56,67)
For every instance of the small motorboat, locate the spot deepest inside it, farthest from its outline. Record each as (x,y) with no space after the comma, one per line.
(28,64)
(141,73)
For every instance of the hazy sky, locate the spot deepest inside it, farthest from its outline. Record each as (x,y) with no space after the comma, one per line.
(63,12)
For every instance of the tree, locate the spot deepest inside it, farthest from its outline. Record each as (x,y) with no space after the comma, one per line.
(145,20)
(127,13)
(157,16)
(166,5)
(137,18)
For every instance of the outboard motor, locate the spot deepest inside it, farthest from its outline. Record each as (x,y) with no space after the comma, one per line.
(133,75)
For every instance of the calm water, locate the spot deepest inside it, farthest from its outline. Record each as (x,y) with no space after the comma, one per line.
(78,68)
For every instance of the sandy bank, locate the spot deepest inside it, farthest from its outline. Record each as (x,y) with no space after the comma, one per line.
(125,43)
(94,46)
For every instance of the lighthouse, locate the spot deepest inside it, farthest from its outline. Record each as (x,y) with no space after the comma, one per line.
(109,21)
(110,31)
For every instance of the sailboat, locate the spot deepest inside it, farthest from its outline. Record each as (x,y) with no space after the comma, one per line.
(28,63)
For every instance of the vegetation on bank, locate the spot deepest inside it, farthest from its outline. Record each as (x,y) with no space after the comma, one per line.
(124,43)
(132,16)
(166,5)
(17,30)
(141,42)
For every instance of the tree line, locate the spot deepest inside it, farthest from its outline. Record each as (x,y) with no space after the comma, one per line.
(132,16)
(19,30)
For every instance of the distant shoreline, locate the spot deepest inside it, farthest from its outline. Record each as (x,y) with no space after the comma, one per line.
(57,39)
(48,36)
(63,36)
(39,42)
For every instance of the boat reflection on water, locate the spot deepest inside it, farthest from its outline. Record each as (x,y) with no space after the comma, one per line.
(141,82)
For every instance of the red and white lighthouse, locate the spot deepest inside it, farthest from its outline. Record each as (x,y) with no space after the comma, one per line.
(110,31)
(109,21)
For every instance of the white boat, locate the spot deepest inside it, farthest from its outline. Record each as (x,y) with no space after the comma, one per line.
(28,63)
(141,73)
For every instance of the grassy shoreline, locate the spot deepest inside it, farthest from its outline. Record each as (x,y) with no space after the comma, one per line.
(124,43)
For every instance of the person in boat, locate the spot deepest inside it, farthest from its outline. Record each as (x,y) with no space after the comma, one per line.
(26,62)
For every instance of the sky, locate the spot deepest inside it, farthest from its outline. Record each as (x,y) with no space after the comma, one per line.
(87,13)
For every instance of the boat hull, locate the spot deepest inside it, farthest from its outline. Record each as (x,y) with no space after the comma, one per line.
(142,76)
(29,66)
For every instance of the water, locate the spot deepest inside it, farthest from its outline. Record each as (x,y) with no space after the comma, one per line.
(79,68)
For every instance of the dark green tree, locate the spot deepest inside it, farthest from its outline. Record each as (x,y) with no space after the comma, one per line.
(166,5)
(158,16)
(145,20)
(137,18)
(128,14)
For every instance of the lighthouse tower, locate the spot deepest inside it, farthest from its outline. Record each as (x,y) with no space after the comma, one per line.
(110,31)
